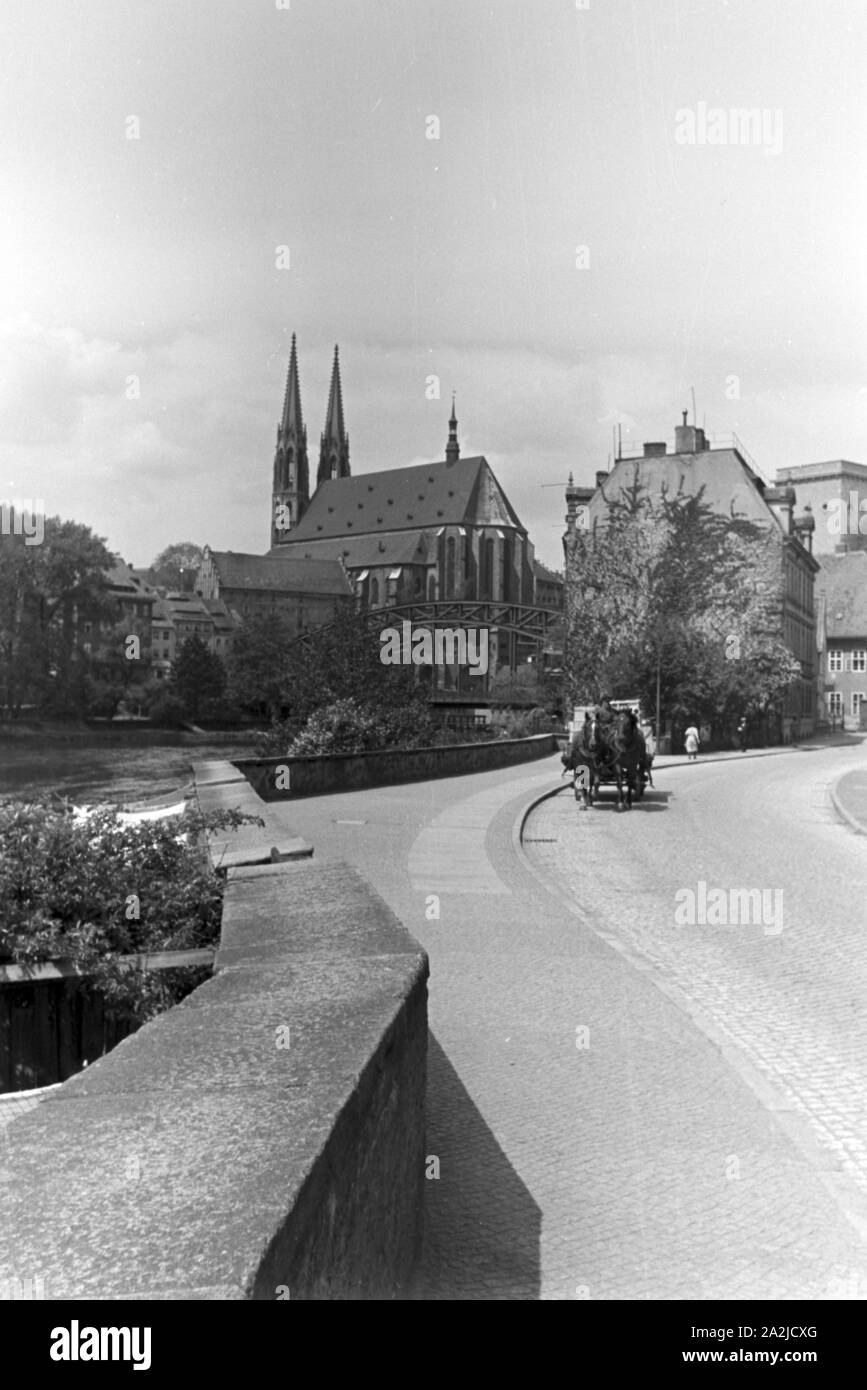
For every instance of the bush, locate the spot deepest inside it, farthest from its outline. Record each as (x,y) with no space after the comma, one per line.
(92,889)
(218,712)
(167,711)
(101,699)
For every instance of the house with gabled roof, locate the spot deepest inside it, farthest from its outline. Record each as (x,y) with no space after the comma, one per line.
(733,487)
(308,592)
(841,626)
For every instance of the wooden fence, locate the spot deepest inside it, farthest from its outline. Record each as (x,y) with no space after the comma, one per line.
(51,1023)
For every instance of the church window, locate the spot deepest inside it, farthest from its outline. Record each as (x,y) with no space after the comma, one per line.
(431,588)
(374,592)
(450,568)
(487,569)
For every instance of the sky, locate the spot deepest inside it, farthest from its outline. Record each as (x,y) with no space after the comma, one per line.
(542,205)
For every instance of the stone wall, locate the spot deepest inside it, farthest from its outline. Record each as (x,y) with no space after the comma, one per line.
(275,779)
(262,1140)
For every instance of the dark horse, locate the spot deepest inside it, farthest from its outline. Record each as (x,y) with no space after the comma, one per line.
(630,758)
(582,761)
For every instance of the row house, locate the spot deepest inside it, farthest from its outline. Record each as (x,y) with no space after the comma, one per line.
(178,616)
(841,621)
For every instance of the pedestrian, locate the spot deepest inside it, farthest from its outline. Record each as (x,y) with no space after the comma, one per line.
(692,742)
(742,733)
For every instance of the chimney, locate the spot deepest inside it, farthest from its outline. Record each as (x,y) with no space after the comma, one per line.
(781,501)
(601,477)
(654,450)
(689,439)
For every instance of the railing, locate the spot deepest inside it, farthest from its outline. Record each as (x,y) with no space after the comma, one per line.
(716,441)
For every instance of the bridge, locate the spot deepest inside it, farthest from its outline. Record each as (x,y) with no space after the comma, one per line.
(527,621)
(525,627)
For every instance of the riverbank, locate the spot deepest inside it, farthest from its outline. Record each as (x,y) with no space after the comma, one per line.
(101,771)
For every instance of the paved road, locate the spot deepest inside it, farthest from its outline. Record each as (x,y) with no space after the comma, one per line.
(622,1107)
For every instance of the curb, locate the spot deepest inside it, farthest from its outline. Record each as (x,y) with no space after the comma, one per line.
(849,1200)
(853,823)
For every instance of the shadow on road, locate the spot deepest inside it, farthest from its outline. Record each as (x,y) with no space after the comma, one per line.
(482,1227)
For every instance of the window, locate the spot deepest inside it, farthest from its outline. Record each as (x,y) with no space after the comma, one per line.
(374,593)
(487,585)
(859,661)
(835,704)
(857,697)
(835,660)
(450,567)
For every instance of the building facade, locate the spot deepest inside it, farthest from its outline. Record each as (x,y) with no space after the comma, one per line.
(841,623)
(733,488)
(177,616)
(836,493)
(307,592)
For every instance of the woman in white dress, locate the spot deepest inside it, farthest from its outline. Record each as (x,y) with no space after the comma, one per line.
(691,739)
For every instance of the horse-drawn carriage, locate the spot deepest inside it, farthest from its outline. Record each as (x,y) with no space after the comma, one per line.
(616,751)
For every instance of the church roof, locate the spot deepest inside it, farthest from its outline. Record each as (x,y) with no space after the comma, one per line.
(287,574)
(390,548)
(418,497)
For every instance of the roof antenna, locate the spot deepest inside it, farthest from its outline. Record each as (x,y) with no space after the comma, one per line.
(692,389)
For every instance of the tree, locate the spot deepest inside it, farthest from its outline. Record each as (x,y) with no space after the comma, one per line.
(49,593)
(175,567)
(197,675)
(527,686)
(675,603)
(342,661)
(258,664)
(335,664)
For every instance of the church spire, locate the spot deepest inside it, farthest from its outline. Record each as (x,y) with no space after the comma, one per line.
(292,396)
(291,488)
(334,447)
(453,449)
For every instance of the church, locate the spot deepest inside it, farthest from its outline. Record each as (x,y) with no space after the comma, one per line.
(444,530)
(426,533)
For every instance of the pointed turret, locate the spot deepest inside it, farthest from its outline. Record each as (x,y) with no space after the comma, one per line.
(291,490)
(453,449)
(334,447)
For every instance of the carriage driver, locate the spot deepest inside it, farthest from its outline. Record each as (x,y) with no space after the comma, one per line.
(605,719)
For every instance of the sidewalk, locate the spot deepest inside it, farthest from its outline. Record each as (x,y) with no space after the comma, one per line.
(580,1122)
(813,744)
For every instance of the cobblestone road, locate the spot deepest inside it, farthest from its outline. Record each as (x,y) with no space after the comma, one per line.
(618,1107)
(791,1001)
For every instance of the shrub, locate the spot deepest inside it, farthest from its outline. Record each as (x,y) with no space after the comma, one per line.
(91,890)
(167,711)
